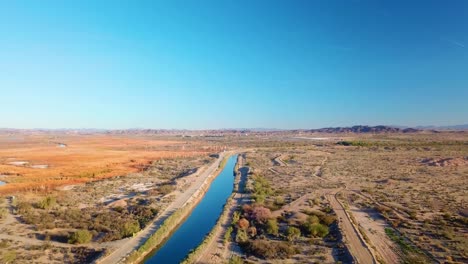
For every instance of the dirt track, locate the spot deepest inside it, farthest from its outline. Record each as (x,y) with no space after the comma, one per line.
(356,246)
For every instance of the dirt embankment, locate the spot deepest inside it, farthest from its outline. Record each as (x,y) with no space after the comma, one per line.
(216,251)
(185,202)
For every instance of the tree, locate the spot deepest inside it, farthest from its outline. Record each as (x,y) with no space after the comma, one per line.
(246,209)
(293,233)
(80,237)
(261,214)
(272,227)
(243,224)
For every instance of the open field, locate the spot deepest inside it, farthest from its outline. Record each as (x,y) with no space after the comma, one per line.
(43,161)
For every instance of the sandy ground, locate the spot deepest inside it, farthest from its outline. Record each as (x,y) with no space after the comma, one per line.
(375,229)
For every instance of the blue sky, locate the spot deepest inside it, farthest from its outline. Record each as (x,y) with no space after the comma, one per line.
(232,64)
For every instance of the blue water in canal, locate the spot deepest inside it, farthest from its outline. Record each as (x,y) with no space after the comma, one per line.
(202,219)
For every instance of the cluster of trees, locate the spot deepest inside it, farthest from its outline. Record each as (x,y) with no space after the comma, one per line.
(260,234)
(252,226)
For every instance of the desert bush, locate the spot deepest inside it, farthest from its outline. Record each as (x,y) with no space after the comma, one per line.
(235,260)
(313,219)
(252,231)
(143,214)
(3,213)
(272,227)
(47,203)
(293,233)
(279,201)
(23,207)
(327,219)
(80,237)
(9,257)
(227,235)
(261,189)
(3,243)
(270,250)
(166,188)
(129,228)
(241,236)
(235,217)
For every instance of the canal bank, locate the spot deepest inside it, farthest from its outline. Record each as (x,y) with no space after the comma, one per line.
(199,222)
(165,229)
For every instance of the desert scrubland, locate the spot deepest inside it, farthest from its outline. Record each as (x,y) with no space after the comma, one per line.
(306,197)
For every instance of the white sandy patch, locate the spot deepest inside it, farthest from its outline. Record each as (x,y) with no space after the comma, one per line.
(41,166)
(67,187)
(141,187)
(18,163)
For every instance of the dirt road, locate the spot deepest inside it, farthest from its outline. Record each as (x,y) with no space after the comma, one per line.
(352,239)
(130,244)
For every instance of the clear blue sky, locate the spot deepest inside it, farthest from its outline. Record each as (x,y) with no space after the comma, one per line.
(232,64)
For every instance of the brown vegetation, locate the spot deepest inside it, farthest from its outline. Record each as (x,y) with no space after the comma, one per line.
(71,159)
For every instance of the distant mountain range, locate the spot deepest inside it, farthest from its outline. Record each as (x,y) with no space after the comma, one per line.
(352,129)
(364,129)
(455,127)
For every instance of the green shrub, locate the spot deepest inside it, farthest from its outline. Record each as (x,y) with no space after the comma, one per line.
(9,257)
(129,228)
(47,202)
(316,229)
(227,235)
(272,227)
(80,237)
(235,260)
(293,233)
(270,250)
(241,236)
(235,217)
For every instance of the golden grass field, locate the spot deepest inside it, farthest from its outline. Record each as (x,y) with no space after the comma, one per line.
(84,158)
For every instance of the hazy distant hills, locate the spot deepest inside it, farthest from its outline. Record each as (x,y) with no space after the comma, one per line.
(455,127)
(352,129)
(364,129)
